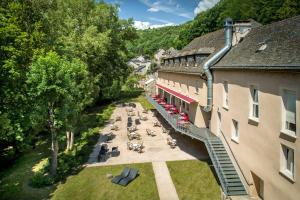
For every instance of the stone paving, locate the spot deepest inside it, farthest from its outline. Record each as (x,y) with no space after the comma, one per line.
(156,147)
(165,186)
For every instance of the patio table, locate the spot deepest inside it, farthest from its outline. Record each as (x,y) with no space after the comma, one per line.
(182,113)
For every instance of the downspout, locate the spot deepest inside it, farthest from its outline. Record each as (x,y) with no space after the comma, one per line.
(215,58)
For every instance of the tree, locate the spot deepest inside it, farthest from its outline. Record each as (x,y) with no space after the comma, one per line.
(56,86)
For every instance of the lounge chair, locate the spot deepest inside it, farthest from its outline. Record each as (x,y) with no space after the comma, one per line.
(131,176)
(115,152)
(124,174)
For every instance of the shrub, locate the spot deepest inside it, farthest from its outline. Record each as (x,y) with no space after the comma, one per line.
(39,180)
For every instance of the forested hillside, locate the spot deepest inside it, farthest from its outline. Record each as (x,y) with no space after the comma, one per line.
(150,40)
(263,11)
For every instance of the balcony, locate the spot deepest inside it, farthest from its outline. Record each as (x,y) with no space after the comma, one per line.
(230,181)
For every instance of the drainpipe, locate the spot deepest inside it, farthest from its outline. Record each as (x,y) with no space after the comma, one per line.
(215,58)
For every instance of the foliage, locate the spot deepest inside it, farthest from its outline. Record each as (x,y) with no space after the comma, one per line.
(93,181)
(39,180)
(151,40)
(21,35)
(70,162)
(94,33)
(144,102)
(153,68)
(263,11)
(81,33)
(15,180)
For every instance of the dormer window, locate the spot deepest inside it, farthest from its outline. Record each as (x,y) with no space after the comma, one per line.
(171,61)
(190,58)
(201,57)
(262,47)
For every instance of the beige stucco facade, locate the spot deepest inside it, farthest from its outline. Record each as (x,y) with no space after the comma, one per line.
(186,84)
(258,149)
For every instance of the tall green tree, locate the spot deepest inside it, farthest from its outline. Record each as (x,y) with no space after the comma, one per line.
(58,88)
(94,33)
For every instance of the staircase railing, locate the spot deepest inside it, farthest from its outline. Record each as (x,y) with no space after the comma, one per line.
(202,134)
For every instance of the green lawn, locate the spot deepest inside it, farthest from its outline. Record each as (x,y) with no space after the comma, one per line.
(144,102)
(193,180)
(14,182)
(91,183)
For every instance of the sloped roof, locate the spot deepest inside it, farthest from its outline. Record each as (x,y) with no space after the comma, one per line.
(273,46)
(205,44)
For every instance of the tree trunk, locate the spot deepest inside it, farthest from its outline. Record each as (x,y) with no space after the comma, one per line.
(68,140)
(54,143)
(71,140)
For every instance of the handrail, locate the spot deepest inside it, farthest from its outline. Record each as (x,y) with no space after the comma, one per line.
(202,134)
(244,177)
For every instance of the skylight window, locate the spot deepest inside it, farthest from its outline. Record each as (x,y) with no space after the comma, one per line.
(262,47)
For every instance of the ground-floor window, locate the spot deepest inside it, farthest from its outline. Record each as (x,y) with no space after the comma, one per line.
(287,161)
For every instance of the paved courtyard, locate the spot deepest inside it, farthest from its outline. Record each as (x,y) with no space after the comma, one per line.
(156,147)
(156,150)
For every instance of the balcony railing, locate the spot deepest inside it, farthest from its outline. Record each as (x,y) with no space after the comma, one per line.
(191,130)
(228,176)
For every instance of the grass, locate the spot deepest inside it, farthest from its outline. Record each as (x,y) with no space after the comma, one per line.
(14,181)
(91,183)
(193,179)
(144,102)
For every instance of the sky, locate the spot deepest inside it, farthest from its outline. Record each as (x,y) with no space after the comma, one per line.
(158,13)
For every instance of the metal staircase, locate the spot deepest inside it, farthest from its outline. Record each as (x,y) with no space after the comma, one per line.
(230,181)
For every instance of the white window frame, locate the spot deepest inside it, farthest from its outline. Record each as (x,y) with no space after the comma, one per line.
(284,130)
(288,173)
(235,131)
(253,103)
(225,95)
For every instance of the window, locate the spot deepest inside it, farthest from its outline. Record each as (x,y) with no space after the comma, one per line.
(254,102)
(197,85)
(225,96)
(183,104)
(187,107)
(289,101)
(288,161)
(235,130)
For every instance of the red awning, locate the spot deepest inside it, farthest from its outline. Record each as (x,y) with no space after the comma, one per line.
(178,95)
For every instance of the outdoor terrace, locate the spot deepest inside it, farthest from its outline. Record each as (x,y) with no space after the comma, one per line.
(227,174)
